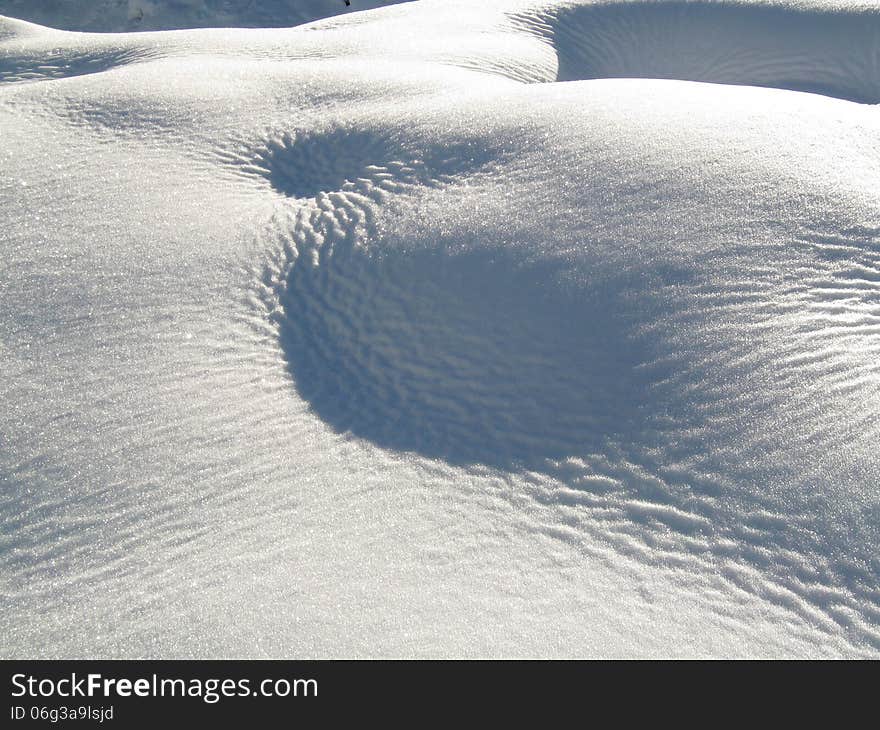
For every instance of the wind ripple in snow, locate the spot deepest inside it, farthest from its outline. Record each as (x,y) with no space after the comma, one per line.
(349,162)
(32,53)
(830,52)
(478,358)
(643,315)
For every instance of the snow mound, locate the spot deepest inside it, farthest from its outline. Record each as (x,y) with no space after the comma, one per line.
(503,328)
(807,47)
(116,16)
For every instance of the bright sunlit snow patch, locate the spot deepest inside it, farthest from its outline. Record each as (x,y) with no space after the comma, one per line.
(498,328)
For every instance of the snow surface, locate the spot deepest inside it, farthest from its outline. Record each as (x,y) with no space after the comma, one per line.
(488,328)
(139,15)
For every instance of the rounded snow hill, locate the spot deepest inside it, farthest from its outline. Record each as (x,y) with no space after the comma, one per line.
(502,329)
(117,16)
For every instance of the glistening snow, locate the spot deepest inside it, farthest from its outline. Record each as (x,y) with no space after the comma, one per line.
(497,328)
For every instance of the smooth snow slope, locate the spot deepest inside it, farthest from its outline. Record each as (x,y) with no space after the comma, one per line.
(497,328)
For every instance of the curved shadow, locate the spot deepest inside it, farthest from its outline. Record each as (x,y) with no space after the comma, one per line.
(303,166)
(23,69)
(829,52)
(307,164)
(465,357)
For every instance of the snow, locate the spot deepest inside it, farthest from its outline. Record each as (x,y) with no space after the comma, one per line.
(442,329)
(145,15)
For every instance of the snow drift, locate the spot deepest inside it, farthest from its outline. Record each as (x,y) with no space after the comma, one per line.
(508,329)
(141,15)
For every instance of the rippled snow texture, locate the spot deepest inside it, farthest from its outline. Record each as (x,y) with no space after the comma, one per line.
(443,329)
